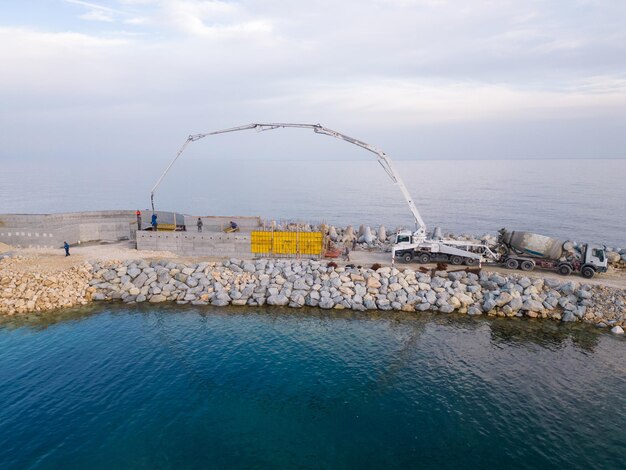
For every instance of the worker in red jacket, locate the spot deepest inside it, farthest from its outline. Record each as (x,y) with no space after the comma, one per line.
(138,214)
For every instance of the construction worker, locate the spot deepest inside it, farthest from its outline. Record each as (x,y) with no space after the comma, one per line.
(154,222)
(233,226)
(138,214)
(67,248)
(199,224)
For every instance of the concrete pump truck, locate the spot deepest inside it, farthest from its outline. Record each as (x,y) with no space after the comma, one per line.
(408,245)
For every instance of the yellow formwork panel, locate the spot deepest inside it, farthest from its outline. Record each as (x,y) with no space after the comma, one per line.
(287,243)
(261,242)
(311,243)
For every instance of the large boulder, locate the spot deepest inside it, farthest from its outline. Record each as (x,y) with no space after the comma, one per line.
(613,257)
(140,280)
(533,306)
(278,299)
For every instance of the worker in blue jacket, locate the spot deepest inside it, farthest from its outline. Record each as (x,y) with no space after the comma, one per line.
(154,222)
(67,248)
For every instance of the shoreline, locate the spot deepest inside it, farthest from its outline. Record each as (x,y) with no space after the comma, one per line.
(45,283)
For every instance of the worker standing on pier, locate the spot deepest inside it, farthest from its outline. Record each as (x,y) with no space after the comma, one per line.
(199,225)
(346,253)
(138,214)
(67,248)
(154,221)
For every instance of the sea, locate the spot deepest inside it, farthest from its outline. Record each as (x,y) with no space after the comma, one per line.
(580,200)
(174,387)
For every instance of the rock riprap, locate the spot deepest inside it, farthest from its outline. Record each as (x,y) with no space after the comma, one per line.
(24,292)
(299,283)
(296,283)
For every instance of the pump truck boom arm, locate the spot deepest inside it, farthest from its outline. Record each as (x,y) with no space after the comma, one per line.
(381,156)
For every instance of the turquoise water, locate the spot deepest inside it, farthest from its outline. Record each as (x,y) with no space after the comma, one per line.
(186,387)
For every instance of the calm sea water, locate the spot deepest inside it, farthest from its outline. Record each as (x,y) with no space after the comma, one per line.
(183,387)
(584,200)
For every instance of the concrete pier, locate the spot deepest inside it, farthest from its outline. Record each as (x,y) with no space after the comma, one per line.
(51,230)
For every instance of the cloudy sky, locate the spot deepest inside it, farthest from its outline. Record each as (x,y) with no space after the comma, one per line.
(120,79)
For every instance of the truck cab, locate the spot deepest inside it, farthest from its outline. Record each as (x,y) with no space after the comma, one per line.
(595,258)
(404,237)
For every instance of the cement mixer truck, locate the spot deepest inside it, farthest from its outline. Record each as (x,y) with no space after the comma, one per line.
(525,251)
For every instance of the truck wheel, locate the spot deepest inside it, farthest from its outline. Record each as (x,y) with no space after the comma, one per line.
(588,272)
(512,263)
(564,270)
(407,257)
(456,260)
(471,261)
(527,265)
(424,258)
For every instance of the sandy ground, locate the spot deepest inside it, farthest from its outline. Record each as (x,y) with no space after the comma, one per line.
(51,260)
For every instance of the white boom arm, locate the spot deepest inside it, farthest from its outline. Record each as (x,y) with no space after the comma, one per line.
(381,156)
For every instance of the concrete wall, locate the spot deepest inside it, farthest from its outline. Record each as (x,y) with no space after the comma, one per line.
(196,244)
(51,230)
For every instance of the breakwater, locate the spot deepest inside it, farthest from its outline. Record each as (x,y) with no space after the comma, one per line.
(300,283)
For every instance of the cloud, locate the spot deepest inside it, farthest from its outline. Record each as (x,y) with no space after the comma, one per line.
(138,20)
(212,18)
(377,66)
(97,15)
(97,12)
(94,6)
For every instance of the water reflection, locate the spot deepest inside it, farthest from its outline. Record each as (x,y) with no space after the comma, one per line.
(545,333)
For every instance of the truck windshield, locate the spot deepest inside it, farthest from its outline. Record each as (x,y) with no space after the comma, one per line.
(598,254)
(403,239)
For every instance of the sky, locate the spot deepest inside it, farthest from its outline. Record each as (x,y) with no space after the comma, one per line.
(114,80)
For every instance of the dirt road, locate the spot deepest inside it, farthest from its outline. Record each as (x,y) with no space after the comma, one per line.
(366,258)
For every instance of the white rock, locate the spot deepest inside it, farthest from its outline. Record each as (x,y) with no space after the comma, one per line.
(277,300)
(332,233)
(348,234)
(382,234)
(367,236)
